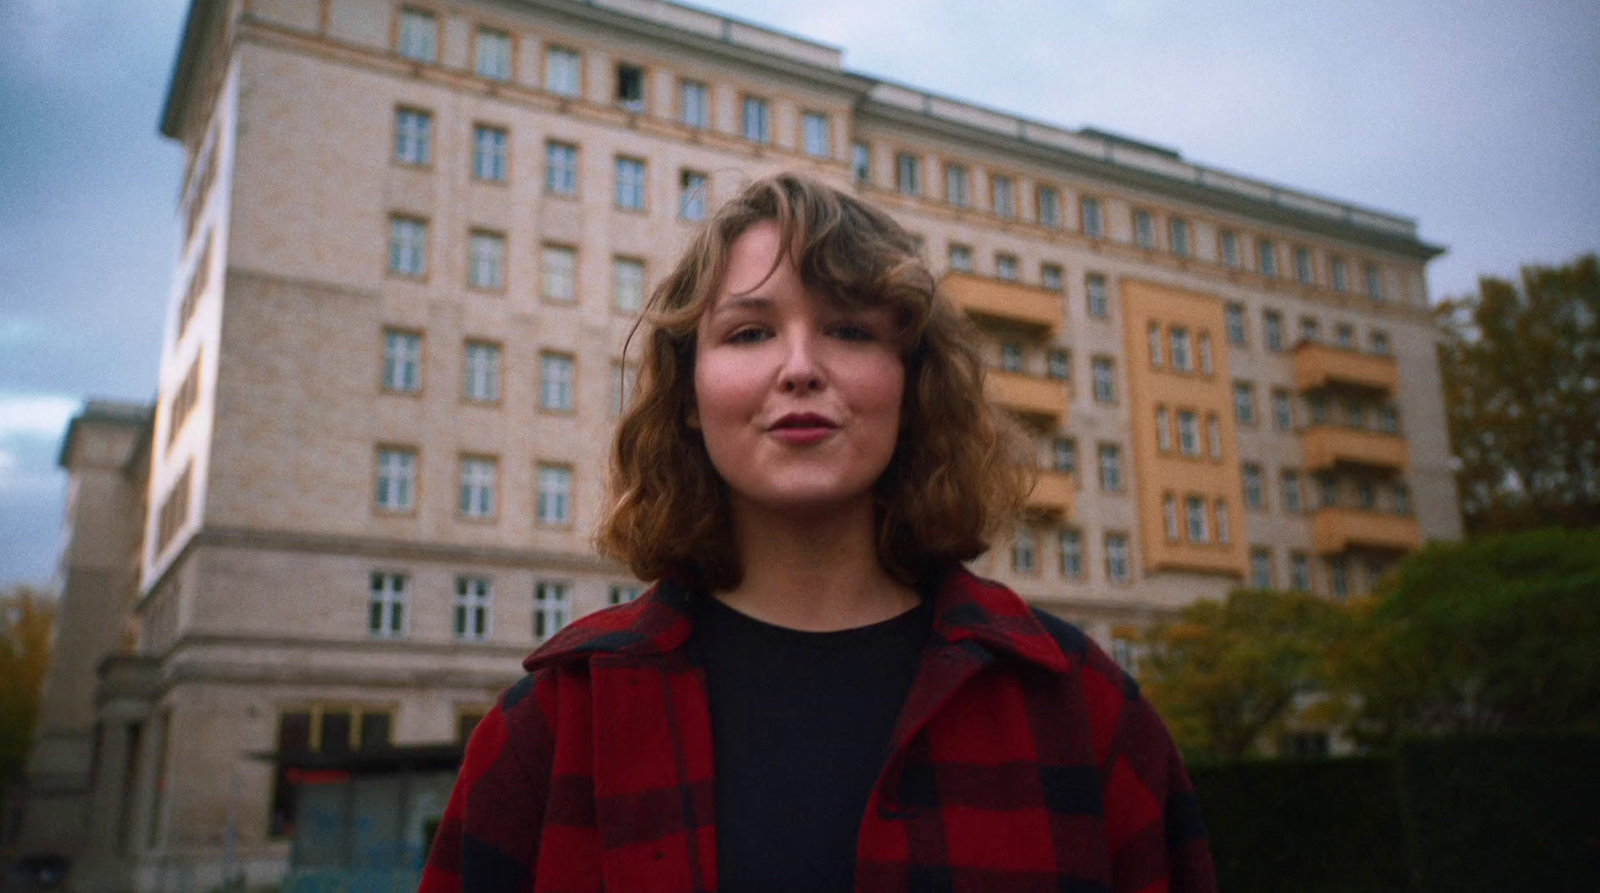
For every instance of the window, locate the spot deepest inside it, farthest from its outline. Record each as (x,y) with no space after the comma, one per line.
(555,495)
(817,135)
(1195,520)
(1293,503)
(1374,282)
(1126,654)
(486,261)
(1049,199)
(694,104)
(960,258)
(1180,236)
(472,608)
(560,274)
(1344,335)
(1181,360)
(630,88)
(1303,270)
(623,593)
(386,606)
(1169,517)
(1299,572)
(1267,258)
(756,124)
(1380,342)
(1310,330)
(413,136)
(1340,273)
(1388,419)
(1230,249)
(1261,568)
(630,184)
(1273,321)
(1144,230)
(1099,303)
(1110,467)
(1058,364)
(955,185)
(908,173)
(419,35)
(1064,454)
(692,196)
(1282,411)
(1188,433)
(1224,522)
(1206,367)
(1163,429)
(1233,316)
(1003,195)
(1154,337)
(1339,574)
(1319,409)
(627,284)
(1366,496)
(1213,436)
(1005,267)
(1052,277)
(1119,567)
(861,162)
(622,382)
(478,476)
(1327,490)
(408,246)
(1355,414)
(489,153)
(563,72)
(561,169)
(1024,551)
(1071,554)
(1244,403)
(552,608)
(1255,495)
(402,361)
(481,383)
(1010,356)
(1105,385)
(397,479)
(555,394)
(1401,496)
(494,55)
(1093,224)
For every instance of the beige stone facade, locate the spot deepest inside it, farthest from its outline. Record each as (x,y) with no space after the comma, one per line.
(414,240)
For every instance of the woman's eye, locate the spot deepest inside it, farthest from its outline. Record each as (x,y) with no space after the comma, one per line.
(854,332)
(747,335)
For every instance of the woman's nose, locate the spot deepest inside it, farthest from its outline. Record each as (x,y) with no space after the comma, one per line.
(801,370)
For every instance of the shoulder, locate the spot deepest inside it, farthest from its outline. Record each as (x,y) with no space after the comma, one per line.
(1077,646)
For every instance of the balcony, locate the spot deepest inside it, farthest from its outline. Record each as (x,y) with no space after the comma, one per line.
(1031,396)
(1052,494)
(1339,529)
(1319,366)
(1328,446)
(1003,301)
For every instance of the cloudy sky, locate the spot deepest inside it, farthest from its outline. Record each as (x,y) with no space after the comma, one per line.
(1476,117)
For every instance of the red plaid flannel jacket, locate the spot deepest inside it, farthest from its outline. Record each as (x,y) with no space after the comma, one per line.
(1024,760)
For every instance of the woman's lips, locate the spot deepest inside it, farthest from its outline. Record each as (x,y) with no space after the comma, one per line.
(801,429)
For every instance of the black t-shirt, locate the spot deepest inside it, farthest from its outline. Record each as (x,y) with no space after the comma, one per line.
(800,726)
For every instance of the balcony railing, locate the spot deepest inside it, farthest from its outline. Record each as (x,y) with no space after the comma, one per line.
(1318,366)
(1328,446)
(1053,493)
(1339,529)
(1005,301)
(1029,395)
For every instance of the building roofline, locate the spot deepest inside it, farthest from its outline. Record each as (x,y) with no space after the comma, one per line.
(183,66)
(106,412)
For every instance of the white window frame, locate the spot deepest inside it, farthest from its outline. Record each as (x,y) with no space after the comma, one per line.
(559,279)
(1052,277)
(413,136)
(694,104)
(388,596)
(1058,364)
(1238,335)
(1188,432)
(1299,572)
(1157,353)
(1003,195)
(1261,568)
(1197,521)
(1025,551)
(755,120)
(555,495)
(1163,429)
(552,608)
(1105,380)
(479,486)
(1169,517)
(1244,403)
(961,258)
(692,200)
(1272,322)
(1179,231)
(489,149)
(1049,199)
(402,361)
(1304,269)
(631,183)
(563,71)
(408,246)
(473,615)
(1092,218)
(1110,459)
(1255,491)
(557,381)
(1282,410)
(861,162)
(1119,561)
(816,135)
(1230,249)
(560,168)
(419,35)
(1144,229)
(481,381)
(1292,497)
(624,593)
(627,284)
(1064,455)
(493,56)
(395,489)
(1097,296)
(1182,355)
(1070,544)
(1006,267)
(486,261)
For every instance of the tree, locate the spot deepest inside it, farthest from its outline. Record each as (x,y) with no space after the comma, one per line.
(1498,634)
(27,618)
(1522,385)
(1226,673)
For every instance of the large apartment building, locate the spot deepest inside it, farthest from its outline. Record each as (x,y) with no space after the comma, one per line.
(415,236)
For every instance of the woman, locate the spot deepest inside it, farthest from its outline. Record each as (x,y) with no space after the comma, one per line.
(816,695)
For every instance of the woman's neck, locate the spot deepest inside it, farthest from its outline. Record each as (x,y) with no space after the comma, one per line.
(814,573)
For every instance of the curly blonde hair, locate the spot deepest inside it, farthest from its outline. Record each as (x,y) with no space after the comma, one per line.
(960,469)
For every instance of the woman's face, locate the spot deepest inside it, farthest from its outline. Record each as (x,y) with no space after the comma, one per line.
(798,400)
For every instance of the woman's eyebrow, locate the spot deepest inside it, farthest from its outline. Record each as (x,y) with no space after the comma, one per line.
(741,302)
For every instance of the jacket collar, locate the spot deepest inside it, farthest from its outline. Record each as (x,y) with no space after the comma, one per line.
(967,608)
